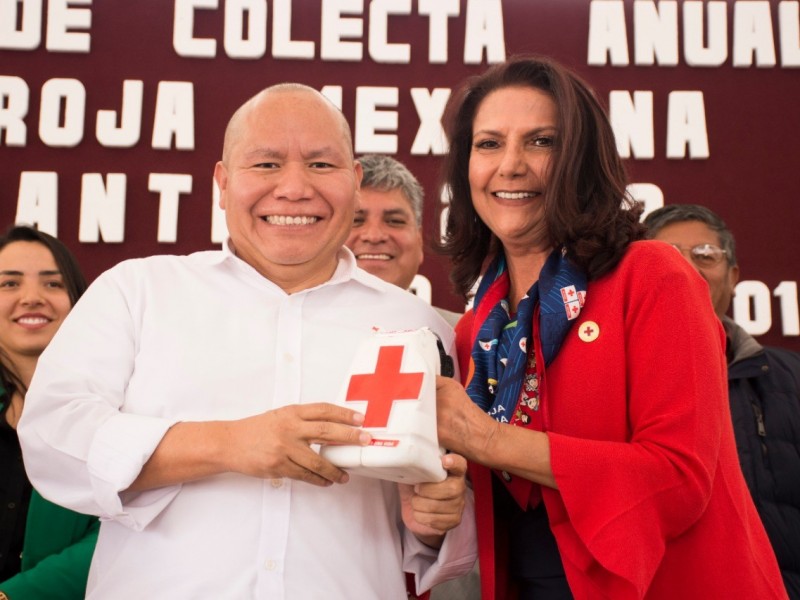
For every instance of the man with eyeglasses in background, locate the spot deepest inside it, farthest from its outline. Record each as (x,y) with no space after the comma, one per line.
(763,384)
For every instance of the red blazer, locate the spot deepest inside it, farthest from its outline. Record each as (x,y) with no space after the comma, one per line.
(651,502)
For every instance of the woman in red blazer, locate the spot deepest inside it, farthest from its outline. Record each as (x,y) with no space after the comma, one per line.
(595,413)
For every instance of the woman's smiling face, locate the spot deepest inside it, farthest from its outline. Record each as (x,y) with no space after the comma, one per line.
(33,299)
(513,135)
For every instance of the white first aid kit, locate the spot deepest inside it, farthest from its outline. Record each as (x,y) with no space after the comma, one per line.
(392,381)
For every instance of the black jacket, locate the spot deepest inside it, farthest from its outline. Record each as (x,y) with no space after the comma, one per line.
(764,388)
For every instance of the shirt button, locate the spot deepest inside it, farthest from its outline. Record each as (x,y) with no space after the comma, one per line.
(271,565)
(276,483)
(12,505)
(288,357)
(506,475)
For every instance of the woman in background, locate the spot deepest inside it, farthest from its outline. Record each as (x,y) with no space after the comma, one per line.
(595,412)
(45,550)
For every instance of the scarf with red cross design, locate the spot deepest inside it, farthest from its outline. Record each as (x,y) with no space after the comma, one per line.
(505,381)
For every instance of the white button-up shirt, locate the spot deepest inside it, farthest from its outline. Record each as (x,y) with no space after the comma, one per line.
(204,337)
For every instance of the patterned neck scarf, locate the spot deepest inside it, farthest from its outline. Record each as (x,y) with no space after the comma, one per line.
(500,347)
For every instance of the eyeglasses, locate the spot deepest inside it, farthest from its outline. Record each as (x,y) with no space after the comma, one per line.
(703,255)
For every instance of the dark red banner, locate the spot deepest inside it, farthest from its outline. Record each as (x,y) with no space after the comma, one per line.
(112,113)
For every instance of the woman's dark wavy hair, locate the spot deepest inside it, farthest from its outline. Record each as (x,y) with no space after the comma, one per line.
(74,283)
(587,207)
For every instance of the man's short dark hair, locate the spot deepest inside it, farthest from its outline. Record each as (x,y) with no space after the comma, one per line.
(384,173)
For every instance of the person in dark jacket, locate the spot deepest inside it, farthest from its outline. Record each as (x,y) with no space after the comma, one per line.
(763,384)
(45,550)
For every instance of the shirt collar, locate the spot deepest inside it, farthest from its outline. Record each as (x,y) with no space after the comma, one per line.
(740,344)
(346,269)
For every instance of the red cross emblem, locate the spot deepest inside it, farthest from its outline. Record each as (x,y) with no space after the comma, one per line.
(387,384)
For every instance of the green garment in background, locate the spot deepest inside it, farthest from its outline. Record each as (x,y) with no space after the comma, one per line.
(56,554)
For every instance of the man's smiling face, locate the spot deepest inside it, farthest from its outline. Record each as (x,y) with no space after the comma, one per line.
(385,238)
(288,186)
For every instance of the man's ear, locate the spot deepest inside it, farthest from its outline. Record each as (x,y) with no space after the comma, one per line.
(359,170)
(733,276)
(221,177)
(421,242)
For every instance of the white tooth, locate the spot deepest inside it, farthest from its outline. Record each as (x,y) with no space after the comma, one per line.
(289,220)
(515,195)
(374,256)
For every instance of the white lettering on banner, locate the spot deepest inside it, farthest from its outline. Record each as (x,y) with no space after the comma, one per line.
(169,187)
(28,35)
(430,105)
(607,33)
(174,115)
(123,131)
(484,32)
(237,42)
(14,98)
(686,125)
(790,312)
(37,202)
(102,208)
(714,51)
(380,50)
(62,116)
(657,31)
(756,294)
(438,12)
(336,28)
(752,307)
(341,30)
(283,46)
(64,25)
(789,22)
(752,29)
(370,120)
(63,107)
(57,127)
(632,121)
(61,20)
(183,40)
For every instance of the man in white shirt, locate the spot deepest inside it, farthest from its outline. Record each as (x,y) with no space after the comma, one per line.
(387,231)
(183,399)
